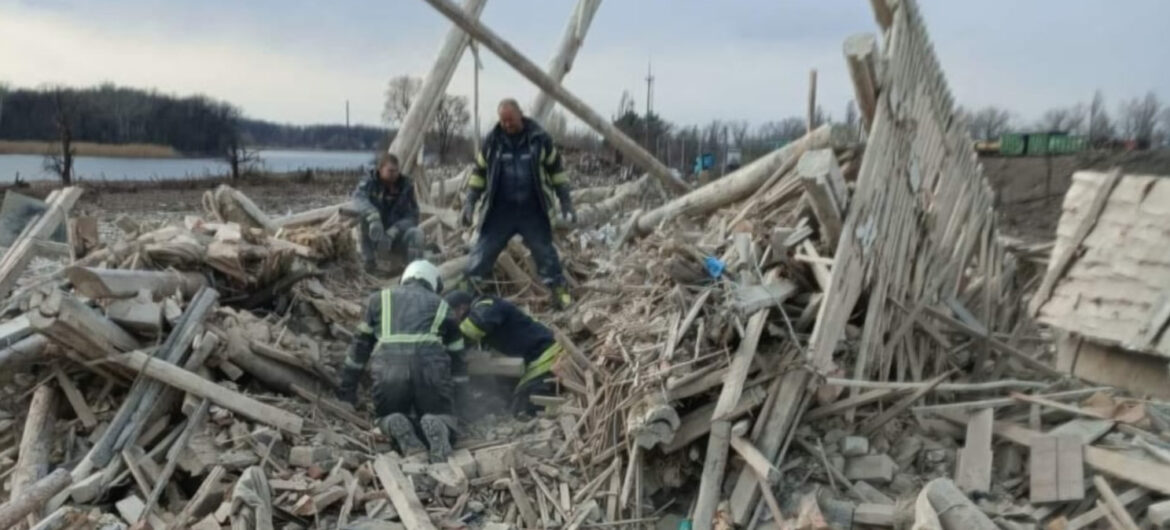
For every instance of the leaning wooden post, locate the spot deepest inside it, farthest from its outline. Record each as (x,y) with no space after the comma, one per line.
(812,100)
(32,462)
(410,135)
(861,57)
(563,61)
(572,103)
(32,498)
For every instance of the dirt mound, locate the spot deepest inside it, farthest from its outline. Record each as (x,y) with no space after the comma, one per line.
(1029,190)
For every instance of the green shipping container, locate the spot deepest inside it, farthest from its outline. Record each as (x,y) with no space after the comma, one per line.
(1011,144)
(1038,144)
(1064,144)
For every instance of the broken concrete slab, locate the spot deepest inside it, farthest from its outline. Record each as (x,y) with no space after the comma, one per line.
(874,468)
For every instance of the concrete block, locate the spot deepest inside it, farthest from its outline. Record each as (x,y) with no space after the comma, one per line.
(462,459)
(305,456)
(874,468)
(495,460)
(1159,514)
(854,446)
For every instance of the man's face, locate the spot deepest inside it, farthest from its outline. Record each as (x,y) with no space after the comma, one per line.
(511,121)
(460,312)
(388,172)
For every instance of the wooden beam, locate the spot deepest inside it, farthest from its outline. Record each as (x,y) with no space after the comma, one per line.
(409,137)
(191,383)
(562,62)
(876,422)
(1140,471)
(126,283)
(194,422)
(720,438)
(388,467)
(14,261)
(32,498)
(973,472)
(861,57)
(32,461)
(1114,504)
(572,103)
(741,183)
(825,187)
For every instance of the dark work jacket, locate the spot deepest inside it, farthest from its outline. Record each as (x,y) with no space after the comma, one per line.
(506,328)
(417,322)
(372,197)
(546,160)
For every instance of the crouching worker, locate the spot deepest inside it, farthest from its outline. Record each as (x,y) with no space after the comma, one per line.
(411,341)
(389,215)
(507,329)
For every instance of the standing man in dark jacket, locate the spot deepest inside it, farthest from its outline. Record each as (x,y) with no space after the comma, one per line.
(412,342)
(500,325)
(518,172)
(389,214)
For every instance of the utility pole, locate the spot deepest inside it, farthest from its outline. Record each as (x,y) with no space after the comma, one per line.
(347,115)
(649,103)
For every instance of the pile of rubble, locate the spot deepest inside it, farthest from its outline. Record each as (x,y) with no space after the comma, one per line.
(832,336)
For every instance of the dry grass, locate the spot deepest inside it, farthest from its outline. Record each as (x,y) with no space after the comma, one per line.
(32,147)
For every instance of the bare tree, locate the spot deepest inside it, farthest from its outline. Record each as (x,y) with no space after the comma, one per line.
(239,158)
(851,118)
(451,119)
(625,105)
(739,132)
(1065,119)
(400,94)
(1100,126)
(988,123)
(1166,127)
(64,118)
(1139,118)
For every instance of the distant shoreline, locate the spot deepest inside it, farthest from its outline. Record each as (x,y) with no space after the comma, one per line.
(39,148)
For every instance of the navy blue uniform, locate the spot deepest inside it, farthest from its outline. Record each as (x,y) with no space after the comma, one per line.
(384,208)
(518,177)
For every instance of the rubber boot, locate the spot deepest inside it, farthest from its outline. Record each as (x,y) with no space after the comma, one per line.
(438,437)
(397,427)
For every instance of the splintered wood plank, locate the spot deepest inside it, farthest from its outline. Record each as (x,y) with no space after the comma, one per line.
(1116,507)
(1057,472)
(388,467)
(523,503)
(973,472)
(76,399)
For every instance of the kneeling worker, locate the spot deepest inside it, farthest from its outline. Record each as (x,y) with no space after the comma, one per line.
(414,340)
(389,214)
(507,329)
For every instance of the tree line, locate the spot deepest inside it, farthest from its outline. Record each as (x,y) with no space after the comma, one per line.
(1143,120)
(193,125)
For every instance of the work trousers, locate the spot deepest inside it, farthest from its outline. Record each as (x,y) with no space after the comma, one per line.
(504,221)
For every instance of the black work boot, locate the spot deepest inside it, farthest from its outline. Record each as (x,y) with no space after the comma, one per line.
(398,428)
(438,437)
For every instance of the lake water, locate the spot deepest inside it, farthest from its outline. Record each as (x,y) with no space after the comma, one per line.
(30,167)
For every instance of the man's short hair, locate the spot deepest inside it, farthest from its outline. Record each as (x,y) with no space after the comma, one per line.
(386,158)
(509,102)
(459,298)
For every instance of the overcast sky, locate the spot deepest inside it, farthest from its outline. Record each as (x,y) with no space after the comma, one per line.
(298,61)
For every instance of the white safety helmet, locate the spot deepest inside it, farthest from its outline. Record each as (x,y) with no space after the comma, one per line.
(425,271)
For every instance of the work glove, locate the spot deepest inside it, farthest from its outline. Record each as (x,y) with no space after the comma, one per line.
(392,234)
(466,217)
(374,229)
(566,204)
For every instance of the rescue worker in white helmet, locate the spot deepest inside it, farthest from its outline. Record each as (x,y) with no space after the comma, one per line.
(411,340)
